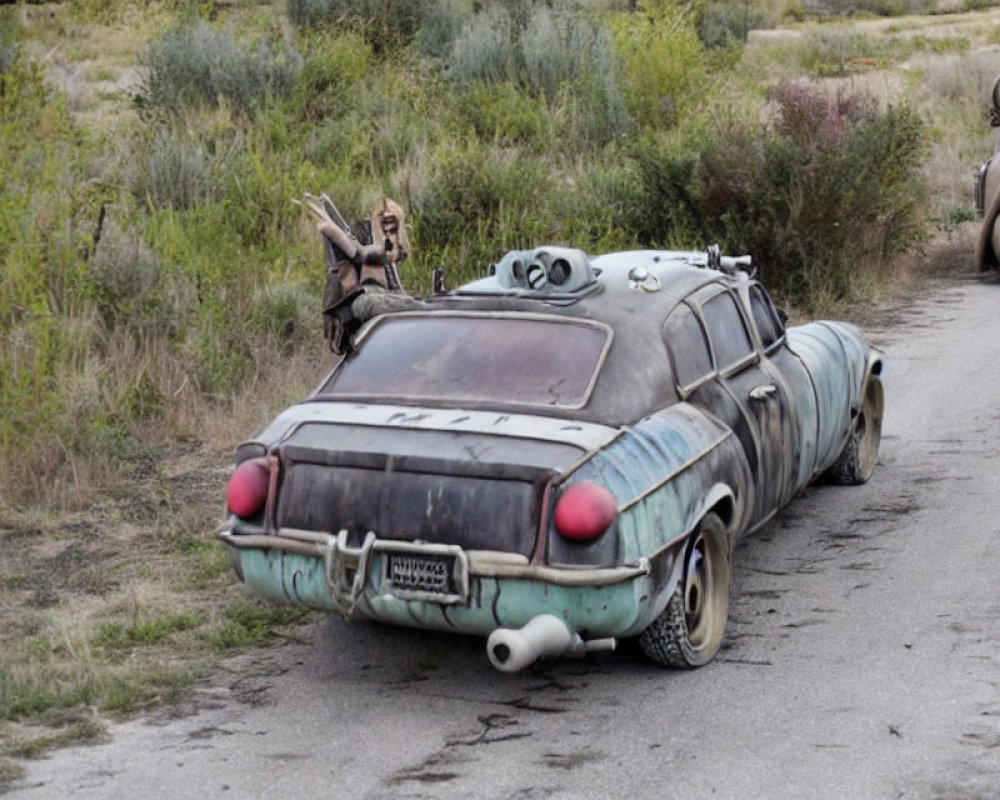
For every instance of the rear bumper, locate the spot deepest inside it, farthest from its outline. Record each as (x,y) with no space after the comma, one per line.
(488,589)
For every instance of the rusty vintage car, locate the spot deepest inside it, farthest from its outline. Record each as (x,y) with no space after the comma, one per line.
(556,456)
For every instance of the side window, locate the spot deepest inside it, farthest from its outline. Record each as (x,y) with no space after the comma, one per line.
(726,330)
(688,346)
(765,317)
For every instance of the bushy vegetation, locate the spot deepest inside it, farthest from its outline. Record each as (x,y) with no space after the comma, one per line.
(833,182)
(196,64)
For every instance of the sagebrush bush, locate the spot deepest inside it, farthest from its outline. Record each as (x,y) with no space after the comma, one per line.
(559,55)
(8,55)
(727,24)
(557,48)
(126,280)
(192,65)
(442,22)
(483,52)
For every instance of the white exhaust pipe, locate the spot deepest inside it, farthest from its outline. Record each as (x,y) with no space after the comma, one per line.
(545,636)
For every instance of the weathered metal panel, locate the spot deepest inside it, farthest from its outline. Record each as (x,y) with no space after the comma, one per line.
(476,512)
(660,472)
(803,415)
(576,433)
(821,350)
(619,609)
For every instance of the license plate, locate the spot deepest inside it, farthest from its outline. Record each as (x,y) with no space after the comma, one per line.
(421,573)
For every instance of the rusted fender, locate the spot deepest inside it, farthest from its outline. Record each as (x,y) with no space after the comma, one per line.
(665,473)
(820,345)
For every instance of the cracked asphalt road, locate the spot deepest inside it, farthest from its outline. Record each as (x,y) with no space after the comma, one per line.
(861,658)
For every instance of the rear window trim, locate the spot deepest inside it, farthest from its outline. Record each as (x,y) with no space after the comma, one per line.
(365,332)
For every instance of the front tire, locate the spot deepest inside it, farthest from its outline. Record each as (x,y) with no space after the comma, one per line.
(689,631)
(856,463)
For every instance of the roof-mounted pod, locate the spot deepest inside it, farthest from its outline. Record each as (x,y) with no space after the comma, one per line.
(557,270)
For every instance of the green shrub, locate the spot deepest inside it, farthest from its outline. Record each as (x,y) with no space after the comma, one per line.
(285,315)
(329,76)
(500,112)
(558,55)
(835,181)
(170,170)
(48,210)
(598,215)
(196,65)
(478,204)
(725,24)
(665,70)
(387,24)
(103,12)
(830,183)
(666,209)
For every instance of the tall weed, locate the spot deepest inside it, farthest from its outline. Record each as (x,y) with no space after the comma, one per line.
(388,25)
(170,169)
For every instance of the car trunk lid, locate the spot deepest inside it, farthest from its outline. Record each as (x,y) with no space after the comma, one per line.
(472,487)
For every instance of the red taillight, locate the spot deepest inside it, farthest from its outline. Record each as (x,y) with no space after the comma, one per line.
(247,490)
(584,511)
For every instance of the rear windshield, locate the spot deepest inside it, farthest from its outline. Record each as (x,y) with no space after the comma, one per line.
(508,359)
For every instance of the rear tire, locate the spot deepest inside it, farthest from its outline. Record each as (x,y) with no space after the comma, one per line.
(856,463)
(689,631)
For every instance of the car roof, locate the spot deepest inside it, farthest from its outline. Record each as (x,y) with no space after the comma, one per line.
(635,379)
(674,274)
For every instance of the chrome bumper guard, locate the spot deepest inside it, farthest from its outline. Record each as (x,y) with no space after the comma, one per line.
(347,567)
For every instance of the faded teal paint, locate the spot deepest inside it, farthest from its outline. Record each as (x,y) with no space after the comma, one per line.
(287,577)
(622,609)
(658,457)
(819,345)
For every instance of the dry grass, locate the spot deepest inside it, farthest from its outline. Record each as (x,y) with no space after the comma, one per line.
(123,605)
(92,64)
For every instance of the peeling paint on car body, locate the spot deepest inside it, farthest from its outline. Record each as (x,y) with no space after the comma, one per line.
(411,508)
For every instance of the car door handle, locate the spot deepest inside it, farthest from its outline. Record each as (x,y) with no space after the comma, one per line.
(763,392)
